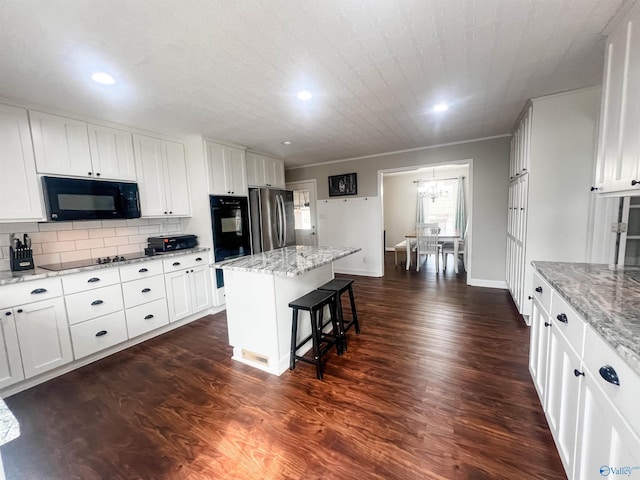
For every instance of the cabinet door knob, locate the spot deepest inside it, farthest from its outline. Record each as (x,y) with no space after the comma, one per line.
(97,302)
(539,289)
(101,333)
(609,374)
(146,290)
(170,213)
(562,318)
(547,324)
(148,317)
(7,313)
(89,173)
(98,174)
(38,290)
(530,297)
(594,189)
(93,280)
(165,213)
(577,372)
(634,183)
(143,270)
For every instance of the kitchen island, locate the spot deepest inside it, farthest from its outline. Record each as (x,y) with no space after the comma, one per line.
(258,290)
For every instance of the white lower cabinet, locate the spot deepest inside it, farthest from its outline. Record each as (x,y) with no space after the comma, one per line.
(94,303)
(589,394)
(188,292)
(10,361)
(97,334)
(147,317)
(43,336)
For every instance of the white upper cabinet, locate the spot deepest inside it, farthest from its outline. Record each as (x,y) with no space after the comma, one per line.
(162,177)
(520,143)
(263,171)
(112,153)
(19,192)
(64,146)
(227,170)
(618,159)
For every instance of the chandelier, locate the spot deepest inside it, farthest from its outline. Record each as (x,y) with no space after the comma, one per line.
(432,188)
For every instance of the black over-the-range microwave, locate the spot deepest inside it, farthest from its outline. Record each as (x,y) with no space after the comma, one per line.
(78,199)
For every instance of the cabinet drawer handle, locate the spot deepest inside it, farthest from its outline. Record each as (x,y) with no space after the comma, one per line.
(148,317)
(547,324)
(97,302)
(7,313)
(609,374)
(175,264)
(93,280)
(539,289)
(198,259)
(562,317)
(101,333)
(143,270)
(146,290)
(38,290)
(577,372)
(634,183)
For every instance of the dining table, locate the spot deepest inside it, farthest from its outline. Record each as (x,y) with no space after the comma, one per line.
(443,236)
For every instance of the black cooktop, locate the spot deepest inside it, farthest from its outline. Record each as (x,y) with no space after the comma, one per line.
(56,267)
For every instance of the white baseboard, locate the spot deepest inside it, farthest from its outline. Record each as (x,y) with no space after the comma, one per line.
(479,282)
(356,271)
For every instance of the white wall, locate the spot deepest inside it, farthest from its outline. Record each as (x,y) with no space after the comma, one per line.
(399,198)
(353,222)
(489,190)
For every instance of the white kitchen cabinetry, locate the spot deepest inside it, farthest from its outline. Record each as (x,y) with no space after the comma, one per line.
(161,171)
(618,158)
(144,297)
(10,361)
(594,422)
(111,153)
(64,146)
(93,335)
(264,171)
(519,158)
(19,189)
(558,134)
(188,292)
(227,170)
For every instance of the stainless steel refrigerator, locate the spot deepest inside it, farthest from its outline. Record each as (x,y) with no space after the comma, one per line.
(272,221)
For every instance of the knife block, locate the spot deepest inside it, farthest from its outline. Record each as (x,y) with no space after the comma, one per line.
(20,259)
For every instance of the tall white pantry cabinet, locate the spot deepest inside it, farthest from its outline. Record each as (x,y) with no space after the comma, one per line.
(551,174)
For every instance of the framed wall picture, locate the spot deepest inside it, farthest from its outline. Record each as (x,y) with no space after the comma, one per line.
(345,184)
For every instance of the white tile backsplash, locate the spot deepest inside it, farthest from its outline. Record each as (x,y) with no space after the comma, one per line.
(69,241)
(73,235)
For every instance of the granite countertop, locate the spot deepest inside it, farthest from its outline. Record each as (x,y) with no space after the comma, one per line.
(607,298)
(288,261)
(9,427)
(8,277)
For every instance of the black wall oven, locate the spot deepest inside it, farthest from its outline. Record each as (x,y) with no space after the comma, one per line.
(230,224)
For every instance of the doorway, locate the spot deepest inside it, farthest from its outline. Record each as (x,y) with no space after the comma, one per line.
(304,212)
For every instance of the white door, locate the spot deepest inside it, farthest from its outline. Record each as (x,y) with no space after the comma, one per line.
(178,295)
(304,211)
(200,279)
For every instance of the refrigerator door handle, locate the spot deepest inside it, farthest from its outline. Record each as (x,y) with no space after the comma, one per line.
(282,221)
(278,222)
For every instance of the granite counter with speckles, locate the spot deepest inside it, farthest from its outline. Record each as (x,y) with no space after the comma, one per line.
(288,261)
(608,298)
(9,427)
(8,277)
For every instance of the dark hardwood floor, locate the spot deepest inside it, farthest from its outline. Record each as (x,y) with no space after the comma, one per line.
(436,387)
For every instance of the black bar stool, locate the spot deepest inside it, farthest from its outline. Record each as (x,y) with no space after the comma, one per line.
(339,286)
(314,303)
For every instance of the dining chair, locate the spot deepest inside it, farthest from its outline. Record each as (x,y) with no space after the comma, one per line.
(427,243)
(457,249)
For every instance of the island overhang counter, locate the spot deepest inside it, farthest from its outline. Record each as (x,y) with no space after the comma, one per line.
(258,289)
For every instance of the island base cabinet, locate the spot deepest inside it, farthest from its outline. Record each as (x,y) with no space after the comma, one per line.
(607,446)
(43,335)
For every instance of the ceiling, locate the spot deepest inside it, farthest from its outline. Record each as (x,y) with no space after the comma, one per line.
(230,69)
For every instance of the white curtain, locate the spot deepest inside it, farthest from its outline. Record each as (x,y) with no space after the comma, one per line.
(421,213)
(461,216)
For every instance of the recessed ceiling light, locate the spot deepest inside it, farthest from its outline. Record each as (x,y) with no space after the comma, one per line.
(304,95)
(440,107)
(103,78)
(286,142)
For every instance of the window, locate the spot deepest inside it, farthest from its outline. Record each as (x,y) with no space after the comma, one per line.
(301,210)
(439,202)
